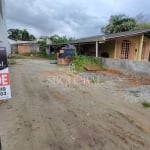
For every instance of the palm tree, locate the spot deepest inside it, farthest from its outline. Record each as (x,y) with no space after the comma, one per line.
(119,23)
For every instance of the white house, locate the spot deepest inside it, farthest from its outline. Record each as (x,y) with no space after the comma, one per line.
(3,29)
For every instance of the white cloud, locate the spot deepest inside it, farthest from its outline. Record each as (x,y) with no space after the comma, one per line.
(77,18)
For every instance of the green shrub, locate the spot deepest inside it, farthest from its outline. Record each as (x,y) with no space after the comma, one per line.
(81,61)
(53,57)
(27,54)
(146,104)
(41,54)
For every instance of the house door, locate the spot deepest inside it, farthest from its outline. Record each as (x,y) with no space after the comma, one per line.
(125,49)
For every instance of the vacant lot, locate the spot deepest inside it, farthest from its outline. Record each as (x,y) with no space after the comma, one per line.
(53,109)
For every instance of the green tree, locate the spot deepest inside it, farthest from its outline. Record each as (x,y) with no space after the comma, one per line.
(60,39)
(23,35)
(119,23)
(42,46)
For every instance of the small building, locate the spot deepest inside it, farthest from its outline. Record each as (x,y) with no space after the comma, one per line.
(21,47)
(130,45)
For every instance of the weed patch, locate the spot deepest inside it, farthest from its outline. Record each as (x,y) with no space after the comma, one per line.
(81,61)
(146,104)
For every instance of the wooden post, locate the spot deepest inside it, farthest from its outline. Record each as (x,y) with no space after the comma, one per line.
(115,53)
(140,47)
(96,48)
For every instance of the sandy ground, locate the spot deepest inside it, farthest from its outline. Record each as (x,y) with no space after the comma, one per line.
(52,109)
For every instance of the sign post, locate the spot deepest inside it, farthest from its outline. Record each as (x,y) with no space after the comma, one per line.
(5,91)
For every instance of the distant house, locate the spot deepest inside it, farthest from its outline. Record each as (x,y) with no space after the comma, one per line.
(21,47)
(132,45)
(49,50)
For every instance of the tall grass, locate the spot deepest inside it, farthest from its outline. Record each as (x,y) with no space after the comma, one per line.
(146,104)
(81,61)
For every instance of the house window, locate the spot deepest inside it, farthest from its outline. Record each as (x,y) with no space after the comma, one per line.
(125,49)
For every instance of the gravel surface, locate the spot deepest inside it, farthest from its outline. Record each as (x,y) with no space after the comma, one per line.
(79,116)
(119,86)
(136,94)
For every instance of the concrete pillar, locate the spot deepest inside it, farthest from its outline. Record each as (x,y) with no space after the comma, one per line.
(3,29)
(115,53)
(96,48)
(140,47)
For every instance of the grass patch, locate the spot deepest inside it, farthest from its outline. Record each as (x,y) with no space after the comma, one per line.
(16,57)
(146,104)
(93,80)
(27,54)
(12,62)
(53,57)
(41,54)
(81,61)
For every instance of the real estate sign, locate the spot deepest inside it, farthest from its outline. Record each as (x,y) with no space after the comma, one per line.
(5,92)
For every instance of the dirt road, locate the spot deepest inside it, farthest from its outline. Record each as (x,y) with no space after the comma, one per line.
(45,114)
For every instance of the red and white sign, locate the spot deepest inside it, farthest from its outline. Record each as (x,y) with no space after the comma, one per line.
(5,92)
(4,79)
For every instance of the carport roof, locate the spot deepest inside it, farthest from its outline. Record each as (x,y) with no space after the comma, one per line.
(102,38)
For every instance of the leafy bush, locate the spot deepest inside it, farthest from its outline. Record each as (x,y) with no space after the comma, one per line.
(81,61)
(146,104)
(41,54)
(27,54)
(53,57)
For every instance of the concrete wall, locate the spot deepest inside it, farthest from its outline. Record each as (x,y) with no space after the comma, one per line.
(127,66)
(3,30)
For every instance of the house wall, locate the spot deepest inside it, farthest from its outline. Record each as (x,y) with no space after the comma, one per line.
(135,43)
(113,48)
(27,48)
(135,48)
(107,47)
(146,50)
(14,49)
(34,48)
(24,49)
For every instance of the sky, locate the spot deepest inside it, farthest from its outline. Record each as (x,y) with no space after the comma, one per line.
(71,18)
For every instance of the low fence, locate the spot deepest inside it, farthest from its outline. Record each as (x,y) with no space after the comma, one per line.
(127,66)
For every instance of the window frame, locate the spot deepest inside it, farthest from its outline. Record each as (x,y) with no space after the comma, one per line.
(125,49)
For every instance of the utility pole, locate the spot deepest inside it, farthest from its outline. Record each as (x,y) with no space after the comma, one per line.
(3,28)
(5,92)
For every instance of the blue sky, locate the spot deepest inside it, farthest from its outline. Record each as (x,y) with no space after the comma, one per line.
(73,18)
